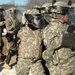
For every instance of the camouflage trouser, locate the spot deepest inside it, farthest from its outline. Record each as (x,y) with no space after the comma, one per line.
(26,67)
(11,46)
(67,67)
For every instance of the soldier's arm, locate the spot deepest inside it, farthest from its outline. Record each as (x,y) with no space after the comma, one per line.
(2,23)
(8,24)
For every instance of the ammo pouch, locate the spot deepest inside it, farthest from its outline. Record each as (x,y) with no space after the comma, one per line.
(56,58)
(62,55)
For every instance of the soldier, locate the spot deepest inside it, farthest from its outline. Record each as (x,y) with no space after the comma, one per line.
(58,55)
(2,26)
(30,49)
(12,27)
(46,6)
(46,11)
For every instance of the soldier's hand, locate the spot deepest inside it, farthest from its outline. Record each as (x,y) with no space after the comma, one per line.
(1,23)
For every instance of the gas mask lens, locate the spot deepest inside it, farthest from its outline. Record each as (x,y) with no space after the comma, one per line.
(38,21)
(37,17)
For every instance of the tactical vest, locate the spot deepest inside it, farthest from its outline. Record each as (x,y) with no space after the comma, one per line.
(30,46)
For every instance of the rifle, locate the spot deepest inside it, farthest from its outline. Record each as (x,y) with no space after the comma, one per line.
(14,32)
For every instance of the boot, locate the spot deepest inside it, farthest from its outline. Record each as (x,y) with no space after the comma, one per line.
(6,66)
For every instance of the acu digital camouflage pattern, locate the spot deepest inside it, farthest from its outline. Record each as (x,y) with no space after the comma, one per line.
(53,34)
(61,3)
(30,43)
(60,60)
(30,51)
(11,24)
(47,11)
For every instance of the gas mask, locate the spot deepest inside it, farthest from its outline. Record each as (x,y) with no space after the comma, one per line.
(36,20)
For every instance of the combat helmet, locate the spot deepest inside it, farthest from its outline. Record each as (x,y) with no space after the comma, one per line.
(35,18)
(46,7)
(37,7)
(73,7)
(24,17)
(60,7)
(13,10)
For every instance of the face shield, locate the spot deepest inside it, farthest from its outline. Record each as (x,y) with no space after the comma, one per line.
(19,15)
(71,16)
(60,10)
(36,20)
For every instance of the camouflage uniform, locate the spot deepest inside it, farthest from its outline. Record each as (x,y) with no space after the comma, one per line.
(46,8)
(11,26)
(2,26)
(30,49)
(60,59)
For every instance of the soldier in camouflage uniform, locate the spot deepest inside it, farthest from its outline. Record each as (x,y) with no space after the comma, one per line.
(2,26)
(12,27)
(30,49)
(46,6)
(59,57)
(46,11)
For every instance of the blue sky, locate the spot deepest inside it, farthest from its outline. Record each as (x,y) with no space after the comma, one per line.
(19,2)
